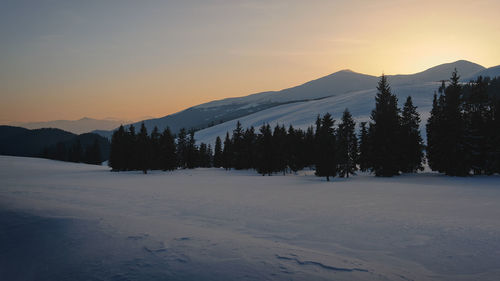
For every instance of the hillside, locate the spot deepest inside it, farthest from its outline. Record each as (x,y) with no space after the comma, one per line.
(16,141)
(334,85)
(303,114)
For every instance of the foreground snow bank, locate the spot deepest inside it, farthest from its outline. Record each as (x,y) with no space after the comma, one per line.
(210,224)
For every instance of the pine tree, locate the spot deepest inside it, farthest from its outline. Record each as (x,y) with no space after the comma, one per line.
(192,151)
(364,149)
(347,148)
(237,146)
(131,150)
(435,136)
(154,149)
(326,160)
(476,108)
(264,151)
(76,152)
(168,157)
(182,148)
(249,139)
(385,130)
(456,160)
(117,154)
(279,149)
(227,153)
(309,148)
(411,142)
(143,150)
(93,153)
(218,153)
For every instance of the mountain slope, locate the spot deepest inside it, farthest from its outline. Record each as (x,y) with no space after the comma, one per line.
(16,141)
(303,114)
(333,85)
(490,72)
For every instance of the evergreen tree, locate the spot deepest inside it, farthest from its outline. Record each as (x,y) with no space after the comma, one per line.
(295,149)
(456,160)
(237,145)
(131,150)
(347,146)
(435,136)
(279,149)
(182,148)
(192,151)
(168,157)
(218,153)
(143,150)
(364,149)
(264,152)
(477,116)
(154,149)
(249,139)
(118,152)
(385,130)
(93,153)
(309,148)
(411,142)
(227,153)
(326,160)
(204,158)
(76,152)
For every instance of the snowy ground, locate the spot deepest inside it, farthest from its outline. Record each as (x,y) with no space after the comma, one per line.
(63,221)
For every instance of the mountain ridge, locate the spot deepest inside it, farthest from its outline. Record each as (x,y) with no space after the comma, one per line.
(334,84)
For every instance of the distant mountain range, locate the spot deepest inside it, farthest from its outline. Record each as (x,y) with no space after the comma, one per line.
(84,125)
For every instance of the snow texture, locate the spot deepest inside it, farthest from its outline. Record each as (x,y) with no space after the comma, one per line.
(303,114)
(63,221)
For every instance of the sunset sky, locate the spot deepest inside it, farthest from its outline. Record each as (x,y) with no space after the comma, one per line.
(65,59)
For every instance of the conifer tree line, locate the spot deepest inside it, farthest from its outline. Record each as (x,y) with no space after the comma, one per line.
(75,152)
(463,135)
(463,130)
(131,150)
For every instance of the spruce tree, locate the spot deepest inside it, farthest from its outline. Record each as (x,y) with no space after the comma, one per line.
(264,151)
(93,153)
(249,139)
(154,149)
(455,157)
(435,136)
(143,150)
(385,154)
(364,149)
(347,146)
(326,159)
(168,157)
(117,154)
(131,149)
(218,153)
(182,148)
(192,151)
(411,142)
(238,147)
(279,149)
(227,153)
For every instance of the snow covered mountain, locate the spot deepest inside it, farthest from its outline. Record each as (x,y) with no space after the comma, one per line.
(355,89)
(303,114)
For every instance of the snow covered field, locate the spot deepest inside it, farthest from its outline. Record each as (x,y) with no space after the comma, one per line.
(63,221)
